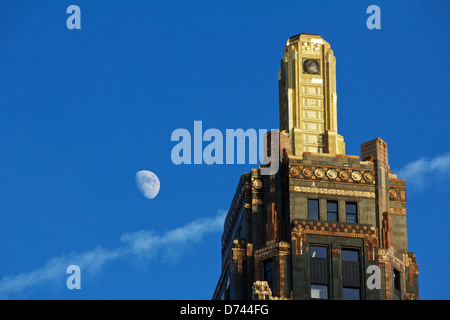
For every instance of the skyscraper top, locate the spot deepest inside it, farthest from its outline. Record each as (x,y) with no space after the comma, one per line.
(307,96)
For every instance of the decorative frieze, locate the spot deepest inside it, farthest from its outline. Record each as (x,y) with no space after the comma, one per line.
(339,192)
(331,174)
(310,47)
(397,193)
(397,210)
(273,249)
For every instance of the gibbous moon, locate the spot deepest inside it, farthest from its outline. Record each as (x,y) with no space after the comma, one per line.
(148,183)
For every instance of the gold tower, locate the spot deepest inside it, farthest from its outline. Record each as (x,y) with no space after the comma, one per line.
(307,101)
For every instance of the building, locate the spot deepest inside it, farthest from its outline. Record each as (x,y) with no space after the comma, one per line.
(327,225)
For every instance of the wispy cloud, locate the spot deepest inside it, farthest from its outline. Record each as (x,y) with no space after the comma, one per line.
(141,244)
(419,174)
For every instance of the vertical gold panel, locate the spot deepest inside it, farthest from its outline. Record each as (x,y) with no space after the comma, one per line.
(309,67)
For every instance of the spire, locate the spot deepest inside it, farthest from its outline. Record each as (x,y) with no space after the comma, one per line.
(307,96)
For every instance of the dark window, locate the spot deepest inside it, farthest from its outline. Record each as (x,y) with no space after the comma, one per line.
(351,211)
(396,279)
(268,273)
(313,209)
(350,255)
(351,276)
(319,272)
(351,294)
(332,210)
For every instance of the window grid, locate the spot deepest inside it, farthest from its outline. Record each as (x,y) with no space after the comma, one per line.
(351,211)
(313,209)
(319,272)
(351,275)
(332,210)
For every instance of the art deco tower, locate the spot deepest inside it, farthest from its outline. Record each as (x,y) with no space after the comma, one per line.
(308,98)
(327,225)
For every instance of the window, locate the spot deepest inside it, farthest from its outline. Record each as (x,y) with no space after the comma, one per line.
(318,252)
(350,255)
(351,209)
(351,277)
(268,273)
(397,292)
(396,279)
(319,291)
(351,293)
(332,210)
(313,209)
(319,272)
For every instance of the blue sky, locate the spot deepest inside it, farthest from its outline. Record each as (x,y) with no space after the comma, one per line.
(81,111)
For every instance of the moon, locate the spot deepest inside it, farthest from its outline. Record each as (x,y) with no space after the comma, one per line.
(148,183)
